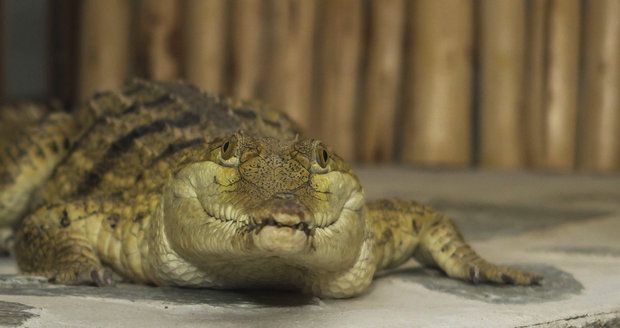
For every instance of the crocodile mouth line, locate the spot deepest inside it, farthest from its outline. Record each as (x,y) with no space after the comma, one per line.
(301,226)
(227,214)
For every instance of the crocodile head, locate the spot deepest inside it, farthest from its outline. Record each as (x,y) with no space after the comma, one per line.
(252,197)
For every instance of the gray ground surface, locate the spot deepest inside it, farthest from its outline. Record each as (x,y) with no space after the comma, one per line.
(565,227)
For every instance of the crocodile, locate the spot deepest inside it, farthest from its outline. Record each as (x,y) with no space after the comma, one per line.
(164,184)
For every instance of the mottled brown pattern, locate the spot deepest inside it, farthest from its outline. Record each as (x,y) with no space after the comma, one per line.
(162,183)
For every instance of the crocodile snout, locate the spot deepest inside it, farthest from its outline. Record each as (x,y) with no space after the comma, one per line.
(283,211)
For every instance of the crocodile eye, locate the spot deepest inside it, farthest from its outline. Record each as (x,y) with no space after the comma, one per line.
(322,157)
(228,148)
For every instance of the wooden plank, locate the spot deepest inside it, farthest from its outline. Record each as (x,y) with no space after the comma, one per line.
(600,132)
(338,72)
(64,18)
(205,43)
(562,83)
(26,49)
(502,64)
(246,44)
(289,83)
(437,129)
(535,70)
(2,20)
(383,80)
(103,48)
(158,35)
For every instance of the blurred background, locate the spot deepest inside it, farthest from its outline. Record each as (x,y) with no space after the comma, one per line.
(509,84)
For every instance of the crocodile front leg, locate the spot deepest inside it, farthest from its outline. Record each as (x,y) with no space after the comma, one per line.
(54,242)
(405,229)
(81,242)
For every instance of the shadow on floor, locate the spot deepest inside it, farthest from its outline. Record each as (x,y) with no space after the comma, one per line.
(556,285)
(14,314)
(36,286)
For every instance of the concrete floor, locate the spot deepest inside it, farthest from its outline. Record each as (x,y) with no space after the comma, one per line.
(565,227)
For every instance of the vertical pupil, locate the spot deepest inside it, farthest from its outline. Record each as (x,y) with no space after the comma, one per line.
(325,156)
(225,146)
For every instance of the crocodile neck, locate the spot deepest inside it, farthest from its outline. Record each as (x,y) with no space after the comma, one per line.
(167,267)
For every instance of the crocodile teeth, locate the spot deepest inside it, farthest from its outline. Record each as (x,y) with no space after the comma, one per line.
(223,213)
(321,219)
(229,213)
(215,209)
(301,226)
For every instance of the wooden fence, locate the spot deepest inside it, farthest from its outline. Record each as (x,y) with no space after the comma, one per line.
(492,83)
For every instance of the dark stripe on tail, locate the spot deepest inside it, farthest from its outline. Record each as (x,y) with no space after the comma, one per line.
(245,113)
(177,147)
(123,144)
(162,101)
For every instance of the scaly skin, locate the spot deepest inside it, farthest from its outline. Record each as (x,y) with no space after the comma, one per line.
(164,184)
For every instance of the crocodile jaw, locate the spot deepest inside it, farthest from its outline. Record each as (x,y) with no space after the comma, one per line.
(208,221)
(281,240)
